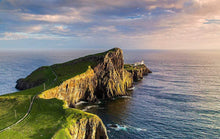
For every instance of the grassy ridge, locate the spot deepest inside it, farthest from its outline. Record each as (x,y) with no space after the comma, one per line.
(65,70)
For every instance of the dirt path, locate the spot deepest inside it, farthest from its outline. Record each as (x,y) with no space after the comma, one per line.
(29,109)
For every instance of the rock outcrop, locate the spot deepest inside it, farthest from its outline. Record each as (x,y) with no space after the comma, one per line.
(81,125)
(137,71)
(107,79)
(21,84)
(88,128)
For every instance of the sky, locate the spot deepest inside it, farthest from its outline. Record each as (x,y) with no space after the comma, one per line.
(100,24)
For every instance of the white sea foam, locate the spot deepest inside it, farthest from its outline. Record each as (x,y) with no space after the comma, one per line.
(117,127)
(126,97)
(89,107)
(132,88)
(137,128)
(128,128)
(81,102)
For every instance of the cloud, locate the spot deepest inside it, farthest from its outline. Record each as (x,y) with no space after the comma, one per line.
(61,28)
(71,17)
(35,29)
(103,28)
(212,21)
(158,23)
(19,36)
(13,36)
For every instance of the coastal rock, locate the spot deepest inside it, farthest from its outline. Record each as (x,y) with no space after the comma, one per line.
(113,79)
(22,84)
(138,71)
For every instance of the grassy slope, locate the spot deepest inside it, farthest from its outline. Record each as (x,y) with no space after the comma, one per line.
(47,116)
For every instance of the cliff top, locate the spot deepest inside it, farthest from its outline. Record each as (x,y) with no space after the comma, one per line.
(63,71)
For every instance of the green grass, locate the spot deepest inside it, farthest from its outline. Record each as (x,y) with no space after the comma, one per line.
(48,117)
(11,105)
(19,102)
(67,71)
(128,67)
(45,119)
(40,75)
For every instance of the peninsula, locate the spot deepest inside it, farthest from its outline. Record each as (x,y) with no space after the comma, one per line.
(45,107)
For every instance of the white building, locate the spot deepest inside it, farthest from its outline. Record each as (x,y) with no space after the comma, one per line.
(139,63)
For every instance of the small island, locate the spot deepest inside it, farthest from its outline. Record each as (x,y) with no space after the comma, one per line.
(46,106)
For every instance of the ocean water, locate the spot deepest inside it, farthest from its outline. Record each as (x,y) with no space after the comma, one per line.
(180,99)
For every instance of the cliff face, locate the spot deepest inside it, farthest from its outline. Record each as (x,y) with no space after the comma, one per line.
(91,128)
(80,87)
(113,79)
(108,79)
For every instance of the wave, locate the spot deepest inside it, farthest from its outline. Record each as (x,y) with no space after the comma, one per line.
(127,128)
(89,107)
(132,88)
(125,97)
(81,102)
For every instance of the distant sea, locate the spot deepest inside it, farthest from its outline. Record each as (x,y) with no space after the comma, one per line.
(180,99)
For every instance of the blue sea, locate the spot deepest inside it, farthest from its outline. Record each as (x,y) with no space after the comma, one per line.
(180,99)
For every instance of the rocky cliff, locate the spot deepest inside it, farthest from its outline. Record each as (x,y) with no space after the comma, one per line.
(107,79)
(88,128)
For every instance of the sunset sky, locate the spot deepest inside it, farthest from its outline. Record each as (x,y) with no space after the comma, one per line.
(94,24)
